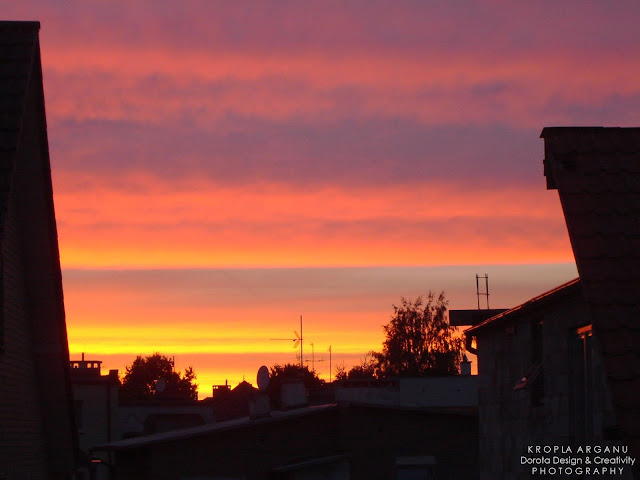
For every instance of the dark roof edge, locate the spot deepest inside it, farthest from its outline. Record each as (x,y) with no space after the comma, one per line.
(312,462)
(536,302)
(551,130)
(19,24)
(556,131)
(213,428)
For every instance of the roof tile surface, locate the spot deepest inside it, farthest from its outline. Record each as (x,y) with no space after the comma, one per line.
(18,47)
(596,171)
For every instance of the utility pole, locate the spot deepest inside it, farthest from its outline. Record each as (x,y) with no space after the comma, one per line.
(301,337)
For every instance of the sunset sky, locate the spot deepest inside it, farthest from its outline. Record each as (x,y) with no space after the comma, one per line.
(221,168)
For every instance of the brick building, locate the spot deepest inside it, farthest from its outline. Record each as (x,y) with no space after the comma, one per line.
(95,398)
(563,369)
(596,172)
(37,434)
(541,382)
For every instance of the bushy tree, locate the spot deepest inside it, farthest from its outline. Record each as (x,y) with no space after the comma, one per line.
(341,372)
(153,377)
(366,370)
(419,340)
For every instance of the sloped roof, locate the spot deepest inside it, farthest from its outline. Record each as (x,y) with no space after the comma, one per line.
(244,387)
(18,49)
(596,171)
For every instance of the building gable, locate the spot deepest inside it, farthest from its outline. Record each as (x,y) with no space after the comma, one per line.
(596,171)
(36,419)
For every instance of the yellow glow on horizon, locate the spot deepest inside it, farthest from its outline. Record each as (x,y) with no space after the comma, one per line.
(170,341)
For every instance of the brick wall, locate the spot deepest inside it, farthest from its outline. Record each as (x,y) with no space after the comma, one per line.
(44,305)
(36,428)
(509,419)
(21,439)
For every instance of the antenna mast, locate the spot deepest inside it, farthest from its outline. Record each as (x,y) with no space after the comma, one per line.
(301,337)
(486,289)
(313,359)
(296,341)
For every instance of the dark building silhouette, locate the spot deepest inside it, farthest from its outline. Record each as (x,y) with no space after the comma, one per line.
(399,429)
(541,382)
(37,434)
(230,403)
(347,441)
(563,369)
(152,417)
(96,412)
(597,174)
(167,409)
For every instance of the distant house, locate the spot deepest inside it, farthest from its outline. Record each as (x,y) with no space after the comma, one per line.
(96,411)
(102,418)
(230,403)
(37,433)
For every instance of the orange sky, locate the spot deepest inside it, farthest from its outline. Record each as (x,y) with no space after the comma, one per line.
(219,170)
(209,225)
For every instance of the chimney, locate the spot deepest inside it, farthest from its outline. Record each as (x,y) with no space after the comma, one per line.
(292,394)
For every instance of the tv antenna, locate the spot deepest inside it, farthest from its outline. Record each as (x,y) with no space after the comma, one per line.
(486,289)
(313,359)
(296,341)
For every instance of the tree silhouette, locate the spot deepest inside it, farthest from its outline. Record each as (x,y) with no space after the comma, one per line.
(341,372)
(420,341)
(153,378)
(366,370)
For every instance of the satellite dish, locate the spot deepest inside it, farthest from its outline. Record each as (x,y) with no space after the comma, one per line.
(263,378)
